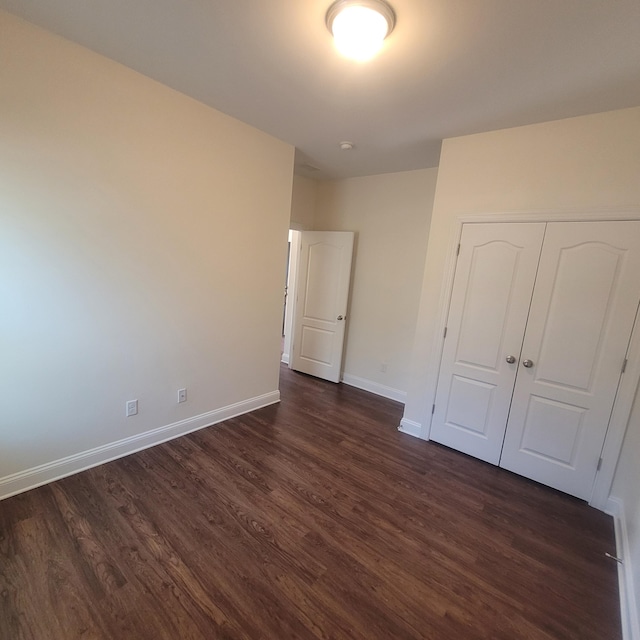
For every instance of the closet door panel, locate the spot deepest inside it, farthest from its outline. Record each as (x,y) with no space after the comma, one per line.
(495,274)
(582,314)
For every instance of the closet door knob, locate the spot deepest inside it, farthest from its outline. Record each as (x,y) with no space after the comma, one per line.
(511,359)
(527,363)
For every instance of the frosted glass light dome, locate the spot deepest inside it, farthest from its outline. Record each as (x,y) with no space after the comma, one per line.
(359,27)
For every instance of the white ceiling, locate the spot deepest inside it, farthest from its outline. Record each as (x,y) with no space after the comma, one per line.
(450,67)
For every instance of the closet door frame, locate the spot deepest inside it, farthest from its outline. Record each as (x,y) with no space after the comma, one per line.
(630,378)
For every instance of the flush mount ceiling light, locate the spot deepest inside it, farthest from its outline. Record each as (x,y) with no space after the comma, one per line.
(359,27)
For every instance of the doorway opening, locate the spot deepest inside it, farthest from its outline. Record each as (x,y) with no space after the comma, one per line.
(289,294)
(318,283)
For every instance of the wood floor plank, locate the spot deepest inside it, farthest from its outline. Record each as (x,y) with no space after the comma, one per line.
(311,519)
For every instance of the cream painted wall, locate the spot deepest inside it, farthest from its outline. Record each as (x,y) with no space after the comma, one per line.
(142,249)
(303,203)
(590,163)
(390,214)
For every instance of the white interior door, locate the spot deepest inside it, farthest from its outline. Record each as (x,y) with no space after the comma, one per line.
(322,294)
(582,314)
(494,280)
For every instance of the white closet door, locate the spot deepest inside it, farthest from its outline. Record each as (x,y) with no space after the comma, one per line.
(581,318)
(494,280)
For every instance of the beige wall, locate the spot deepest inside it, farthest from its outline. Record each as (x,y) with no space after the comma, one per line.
(390,214)
(590,163)
(303,203)
(142,250)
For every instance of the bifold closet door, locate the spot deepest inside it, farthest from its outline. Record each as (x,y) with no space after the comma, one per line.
(582,314)
(495,275)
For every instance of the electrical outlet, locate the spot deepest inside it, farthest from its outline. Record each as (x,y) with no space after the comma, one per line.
(182,395)
(132,408)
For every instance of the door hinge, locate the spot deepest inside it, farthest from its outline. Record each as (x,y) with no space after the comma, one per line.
(458,250)
(599,464)
(433,409)
(624,365)
(445,332)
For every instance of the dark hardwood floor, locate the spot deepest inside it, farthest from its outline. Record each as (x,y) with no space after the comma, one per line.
(314,518)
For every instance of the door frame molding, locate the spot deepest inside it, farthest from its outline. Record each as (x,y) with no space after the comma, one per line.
(623,403)
(294,252)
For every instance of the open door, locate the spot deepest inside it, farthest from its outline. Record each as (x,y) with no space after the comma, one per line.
(322,294)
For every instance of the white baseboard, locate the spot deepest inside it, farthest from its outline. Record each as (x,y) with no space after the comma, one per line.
(410,427)
(284,358)
(628,606)
(375,387)
(45,473)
